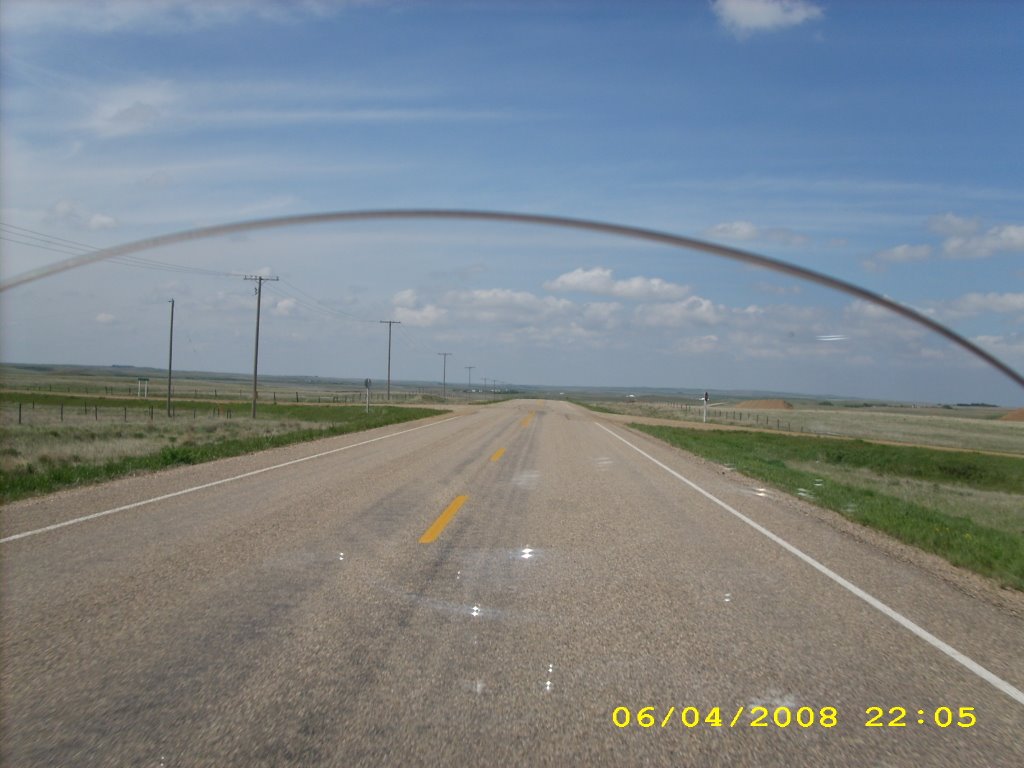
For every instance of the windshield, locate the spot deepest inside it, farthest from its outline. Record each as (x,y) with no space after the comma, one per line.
(498,384)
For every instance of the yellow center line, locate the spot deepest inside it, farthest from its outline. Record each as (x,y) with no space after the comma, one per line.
(526,422)
(435,530)
(497,454)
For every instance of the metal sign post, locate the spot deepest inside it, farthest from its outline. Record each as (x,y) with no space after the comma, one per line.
(366,384)
(705,407)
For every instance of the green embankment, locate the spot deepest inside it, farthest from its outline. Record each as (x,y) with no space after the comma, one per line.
(959,539)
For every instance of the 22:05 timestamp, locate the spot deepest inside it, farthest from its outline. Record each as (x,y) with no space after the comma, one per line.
(943,717)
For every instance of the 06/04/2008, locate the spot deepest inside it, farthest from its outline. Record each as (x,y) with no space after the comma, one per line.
(759,716)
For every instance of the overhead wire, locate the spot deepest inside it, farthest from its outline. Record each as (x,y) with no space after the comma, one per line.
(332,310)
(75,248)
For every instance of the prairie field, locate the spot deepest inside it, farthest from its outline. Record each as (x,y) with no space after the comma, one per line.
(52,441)
(961,428)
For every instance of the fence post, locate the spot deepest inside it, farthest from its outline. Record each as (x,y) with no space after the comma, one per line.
(19,413)
(126,413)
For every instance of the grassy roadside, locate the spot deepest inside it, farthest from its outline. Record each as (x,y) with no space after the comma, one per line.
(781,460)
(593,407)
(48,469)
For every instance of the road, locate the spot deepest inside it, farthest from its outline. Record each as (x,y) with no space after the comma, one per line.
(490,587)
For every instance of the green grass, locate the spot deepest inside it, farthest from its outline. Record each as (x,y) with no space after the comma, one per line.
(593,407)
(961,540)
(44,474)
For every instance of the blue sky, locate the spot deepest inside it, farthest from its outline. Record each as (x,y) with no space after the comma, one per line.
(878,142)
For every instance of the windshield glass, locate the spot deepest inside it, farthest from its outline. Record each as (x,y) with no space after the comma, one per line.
(498,384)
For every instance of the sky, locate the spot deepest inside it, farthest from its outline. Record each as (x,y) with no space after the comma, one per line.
(876,142)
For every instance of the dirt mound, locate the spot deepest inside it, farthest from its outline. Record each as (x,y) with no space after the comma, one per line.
(1017,415)
(776,405)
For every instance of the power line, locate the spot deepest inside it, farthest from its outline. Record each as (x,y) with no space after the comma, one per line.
(75,248)
(44,247)
(412,343)
(314,305)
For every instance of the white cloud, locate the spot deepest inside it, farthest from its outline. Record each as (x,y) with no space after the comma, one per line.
(900,254)
(502,298)
(696,344)
(1007,238)
(678,313)
(951,225)
(70,213)
(599,280)
(406,298)
(132,109)
(105,318)
(101,221)
(602,313)
(421,317)
(743,17)
(748,231)
(284,307)
(1008,348)
(107,16)
(905,253)
(977,303)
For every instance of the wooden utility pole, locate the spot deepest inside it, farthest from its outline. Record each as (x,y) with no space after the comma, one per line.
(260,279)
(390,323)
(444,374)
(170,357)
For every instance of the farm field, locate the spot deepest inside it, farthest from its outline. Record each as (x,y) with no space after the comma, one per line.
(962,428)
(49,442)
(123,381)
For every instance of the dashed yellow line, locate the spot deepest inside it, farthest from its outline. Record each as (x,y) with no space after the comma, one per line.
(435,530)
(526,422)
(497,454)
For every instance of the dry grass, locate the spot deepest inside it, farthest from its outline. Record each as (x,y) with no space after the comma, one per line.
(43,439)
(941,428)
(992,509)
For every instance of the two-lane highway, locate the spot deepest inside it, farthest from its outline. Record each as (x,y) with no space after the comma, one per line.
(508,585)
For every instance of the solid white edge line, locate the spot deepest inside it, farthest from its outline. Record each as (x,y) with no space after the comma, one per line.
(928,637)
(133,505)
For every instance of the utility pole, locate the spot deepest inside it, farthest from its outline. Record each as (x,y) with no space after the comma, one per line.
(390,323)
(444,374)
(260,279)
(470,379)
(170,357)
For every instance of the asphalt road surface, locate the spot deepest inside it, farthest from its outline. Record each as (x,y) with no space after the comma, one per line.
(506,585)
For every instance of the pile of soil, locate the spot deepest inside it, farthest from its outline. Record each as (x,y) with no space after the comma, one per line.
(777,405)
(1017,415)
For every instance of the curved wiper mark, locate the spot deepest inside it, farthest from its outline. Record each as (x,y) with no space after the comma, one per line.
(619,230)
